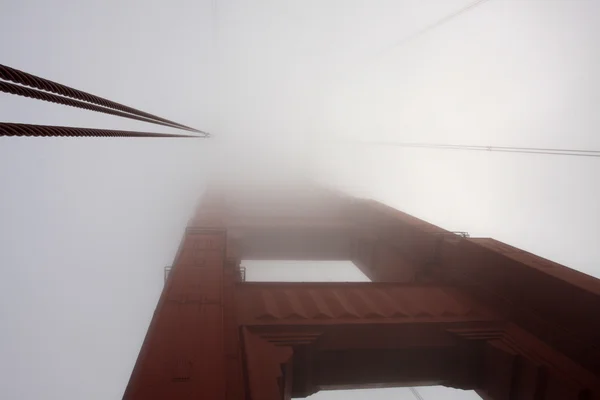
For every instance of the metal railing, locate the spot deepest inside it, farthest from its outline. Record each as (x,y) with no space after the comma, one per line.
(241,273)
(463,234)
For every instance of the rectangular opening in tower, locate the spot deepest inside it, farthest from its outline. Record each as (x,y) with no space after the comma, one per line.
(302,271)
(399,393)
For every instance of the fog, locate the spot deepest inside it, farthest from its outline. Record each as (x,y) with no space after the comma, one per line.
(290,91)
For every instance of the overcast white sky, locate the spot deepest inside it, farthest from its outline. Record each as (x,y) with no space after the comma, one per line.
(86,226)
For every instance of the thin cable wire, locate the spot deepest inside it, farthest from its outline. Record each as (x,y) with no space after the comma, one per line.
(28,130)
(416,393)
(18,90)
(364,64)
(432,26)
(492,147)
(24,78)
(499,149)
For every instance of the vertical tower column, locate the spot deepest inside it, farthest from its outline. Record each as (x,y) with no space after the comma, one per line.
(184,355)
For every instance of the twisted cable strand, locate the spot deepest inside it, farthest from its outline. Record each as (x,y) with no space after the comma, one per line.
(24,78)
(12,88)
(28,130)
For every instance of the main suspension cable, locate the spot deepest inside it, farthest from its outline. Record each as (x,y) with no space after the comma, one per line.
(18,90)
(500,149)
(13,129)
(24,78)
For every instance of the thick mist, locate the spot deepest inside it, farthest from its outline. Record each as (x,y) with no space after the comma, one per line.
(290,92)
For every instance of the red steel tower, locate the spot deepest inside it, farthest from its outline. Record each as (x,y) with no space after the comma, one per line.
(442,308)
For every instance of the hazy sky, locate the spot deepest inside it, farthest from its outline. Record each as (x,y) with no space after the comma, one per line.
(86,226)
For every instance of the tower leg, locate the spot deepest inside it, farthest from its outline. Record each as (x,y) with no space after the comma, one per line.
(268,367)
(191,348)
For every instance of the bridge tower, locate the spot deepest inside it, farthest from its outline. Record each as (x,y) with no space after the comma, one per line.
(442,308)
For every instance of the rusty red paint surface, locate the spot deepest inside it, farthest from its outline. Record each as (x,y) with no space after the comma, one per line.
(443,309)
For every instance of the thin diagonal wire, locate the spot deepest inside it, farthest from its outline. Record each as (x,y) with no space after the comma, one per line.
(489,148)
(12,88)
(24,78)
(499,149)
(363,64)
(432,26)
(415,393)
(28,130)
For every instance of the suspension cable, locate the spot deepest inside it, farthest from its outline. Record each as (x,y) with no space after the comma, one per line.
(362,64)
(24,78)
(13,129)
(415,393)
(500,149)
(18,90)
(436,24)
